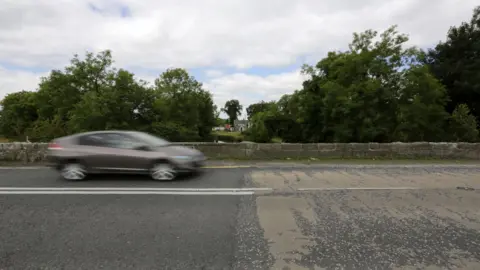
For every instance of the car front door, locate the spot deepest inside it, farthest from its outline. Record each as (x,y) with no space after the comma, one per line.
(126,153)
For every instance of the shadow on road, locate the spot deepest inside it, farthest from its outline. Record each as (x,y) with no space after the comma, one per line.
(140,178)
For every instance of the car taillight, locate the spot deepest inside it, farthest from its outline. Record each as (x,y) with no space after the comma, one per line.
(54,146)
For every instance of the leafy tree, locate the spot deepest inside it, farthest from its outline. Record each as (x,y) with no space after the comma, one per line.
(258,132)
(233,109)
(18,113)
(352,95)
(61,91)
(372,92)
(262,106)
(456,63)
(463,125)
(290,118)
(90,94)
(117,105)
(421,114)
(181,100)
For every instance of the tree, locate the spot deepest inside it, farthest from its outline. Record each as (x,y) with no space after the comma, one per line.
(233,109)
(258,132)
(18,113)
(456,63)
(463,125)
(351,96)
(262,106)
(377,91)
(181,103)
(421,114)
(90,94)
(119,104)
(61,91)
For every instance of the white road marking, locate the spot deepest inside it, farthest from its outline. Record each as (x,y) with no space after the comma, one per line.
(204,167)
(24,168)
(127,191)
(131,189)
(120,192)
(359,188)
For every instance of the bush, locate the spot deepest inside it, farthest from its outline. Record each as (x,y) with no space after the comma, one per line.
(258,132)
(175,132)
(463,125)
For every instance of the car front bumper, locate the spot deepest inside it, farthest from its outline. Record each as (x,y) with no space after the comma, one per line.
(195,164)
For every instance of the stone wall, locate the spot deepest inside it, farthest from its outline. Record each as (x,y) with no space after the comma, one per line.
(35,152)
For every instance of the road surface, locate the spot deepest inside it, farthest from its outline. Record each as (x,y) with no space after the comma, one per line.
(270,217)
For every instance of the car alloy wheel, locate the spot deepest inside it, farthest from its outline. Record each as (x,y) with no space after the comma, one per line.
(163,172)
(73,171)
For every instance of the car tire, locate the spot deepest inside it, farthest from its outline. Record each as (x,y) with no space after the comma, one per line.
(163,171)
(73,171)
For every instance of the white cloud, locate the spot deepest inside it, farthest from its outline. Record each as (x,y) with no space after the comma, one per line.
(208,34)
(14,81)
(250,89)
(193,33)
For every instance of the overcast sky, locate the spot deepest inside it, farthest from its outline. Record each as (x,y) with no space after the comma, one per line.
(249,50)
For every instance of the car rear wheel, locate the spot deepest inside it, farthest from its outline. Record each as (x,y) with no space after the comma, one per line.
(163,172)
(73,172)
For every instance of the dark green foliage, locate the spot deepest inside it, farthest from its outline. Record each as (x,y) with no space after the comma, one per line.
(92,95)
(463,125)
(233,109)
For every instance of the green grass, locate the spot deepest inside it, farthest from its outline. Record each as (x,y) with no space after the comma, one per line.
(229,133)
(276,140)
(3,140)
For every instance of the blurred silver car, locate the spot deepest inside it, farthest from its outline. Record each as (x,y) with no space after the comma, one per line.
(135,152)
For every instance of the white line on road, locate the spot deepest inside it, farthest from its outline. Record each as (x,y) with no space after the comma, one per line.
(177,191)
(127,191)
(358,188)
(24,168)
(120,192)
(131,189)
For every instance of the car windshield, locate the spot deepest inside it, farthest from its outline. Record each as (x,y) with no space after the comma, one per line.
(150,139)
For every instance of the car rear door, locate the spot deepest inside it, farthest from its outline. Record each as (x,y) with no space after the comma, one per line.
(96,151)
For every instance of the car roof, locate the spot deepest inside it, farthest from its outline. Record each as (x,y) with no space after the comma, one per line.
(78,135)
(103,131)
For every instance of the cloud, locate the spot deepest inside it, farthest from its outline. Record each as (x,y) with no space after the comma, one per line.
(250,89)
(196,33)
(15,80)
(212,35)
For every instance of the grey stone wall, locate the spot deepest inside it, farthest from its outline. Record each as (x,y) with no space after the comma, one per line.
(35,152)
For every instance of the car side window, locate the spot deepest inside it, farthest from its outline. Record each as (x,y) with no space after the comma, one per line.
(97,140)
(121,141)
(111,140)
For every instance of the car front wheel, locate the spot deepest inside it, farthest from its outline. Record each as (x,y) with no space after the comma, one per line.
(73,172)
(163,172)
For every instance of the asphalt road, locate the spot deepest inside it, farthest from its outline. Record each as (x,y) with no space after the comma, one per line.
(274,217)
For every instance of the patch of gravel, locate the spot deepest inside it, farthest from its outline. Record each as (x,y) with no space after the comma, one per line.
(251,248)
